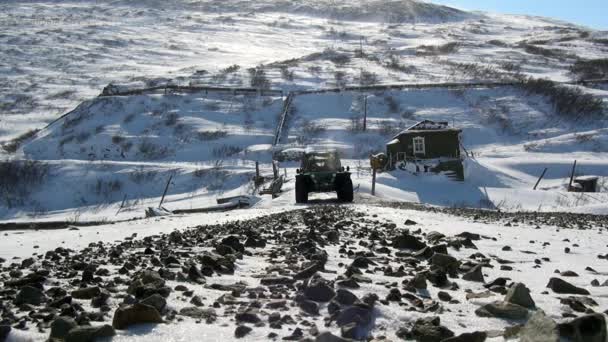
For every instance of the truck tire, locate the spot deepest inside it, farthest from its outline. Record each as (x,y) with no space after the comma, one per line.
(345,192)
(301,190)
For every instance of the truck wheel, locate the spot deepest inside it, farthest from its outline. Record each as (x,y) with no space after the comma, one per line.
(301,191)
(345,193)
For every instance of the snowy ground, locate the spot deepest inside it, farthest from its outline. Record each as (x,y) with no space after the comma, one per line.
(527,242)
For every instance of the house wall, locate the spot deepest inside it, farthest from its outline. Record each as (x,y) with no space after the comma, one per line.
(438,144)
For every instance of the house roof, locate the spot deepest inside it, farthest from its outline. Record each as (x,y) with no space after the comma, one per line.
(428,126)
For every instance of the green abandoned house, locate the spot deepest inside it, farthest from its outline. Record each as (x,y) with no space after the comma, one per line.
(427,146)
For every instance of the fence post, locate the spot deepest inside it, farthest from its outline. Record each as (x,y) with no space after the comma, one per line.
(539,178)
(572,177)
(165,192)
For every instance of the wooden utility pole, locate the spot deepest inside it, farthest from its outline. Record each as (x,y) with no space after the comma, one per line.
(539,178)
(572,176)
(165,192)
(365,113)
(373,181)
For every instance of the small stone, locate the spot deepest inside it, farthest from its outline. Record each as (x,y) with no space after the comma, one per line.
(444,296)
(309,307)
(241,331)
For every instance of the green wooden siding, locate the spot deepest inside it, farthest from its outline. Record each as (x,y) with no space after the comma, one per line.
(438,144)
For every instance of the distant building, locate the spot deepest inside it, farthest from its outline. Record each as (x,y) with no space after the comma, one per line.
(427,146)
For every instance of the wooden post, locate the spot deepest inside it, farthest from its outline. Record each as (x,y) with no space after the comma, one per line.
(373,181)
(257,170)
(572,176)
(365,113)
(165,192)
(275,171)
(121,204)
(539,178)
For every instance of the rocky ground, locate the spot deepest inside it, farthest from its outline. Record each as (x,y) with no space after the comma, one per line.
(324,273)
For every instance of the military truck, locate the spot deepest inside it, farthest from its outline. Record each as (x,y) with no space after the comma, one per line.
(323,172)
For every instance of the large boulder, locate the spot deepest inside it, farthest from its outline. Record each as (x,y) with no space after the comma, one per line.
(589,328)
(429,329)
(135,314)
(157,301)
(90,333)
(358,313)
(445,261)
(319,291)
(30,295)
(519,294)
(61,326)
(407,241)
(502,310)
(561,286)
(147,283)
(4,331)
(539,328)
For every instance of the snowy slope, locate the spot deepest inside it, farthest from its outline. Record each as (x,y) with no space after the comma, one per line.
(59,55)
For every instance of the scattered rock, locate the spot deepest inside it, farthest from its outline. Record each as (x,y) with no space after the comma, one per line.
(29,295)
(4,331)
(407,241)
(429,329)
(444,296)
(127,316)
(241,331)
(329,337)
(61,326)
(519,294)
(502,310)
(477,336)
(539,328)
(561,286)
(90,333)
(444,261)
(209,315)
(475,274)
(309,307)
(319,291)
(345,297)
(86,293)
(589,328)
(157,301)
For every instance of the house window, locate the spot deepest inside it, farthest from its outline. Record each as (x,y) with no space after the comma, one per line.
(418,145)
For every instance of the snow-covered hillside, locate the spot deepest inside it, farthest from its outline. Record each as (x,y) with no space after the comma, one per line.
(59,55)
